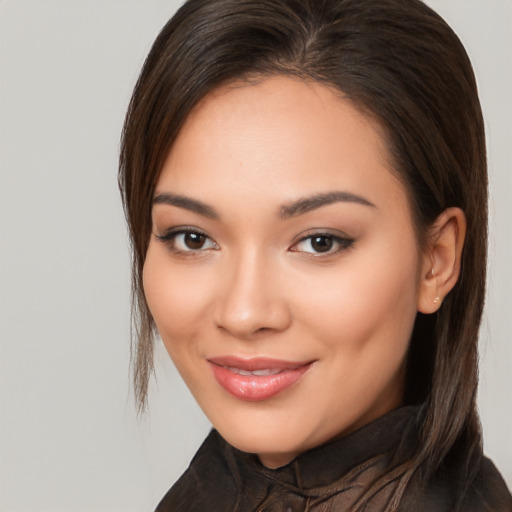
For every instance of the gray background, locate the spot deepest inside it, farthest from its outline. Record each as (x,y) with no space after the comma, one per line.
(69,439)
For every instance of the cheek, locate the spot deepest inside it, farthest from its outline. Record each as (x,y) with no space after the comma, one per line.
(370,299)
(177,298)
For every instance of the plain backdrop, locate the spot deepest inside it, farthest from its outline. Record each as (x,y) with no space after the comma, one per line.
(69,438)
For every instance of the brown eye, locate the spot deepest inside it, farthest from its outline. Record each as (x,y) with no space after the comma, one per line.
(194,241)
(322,243)
(187,240)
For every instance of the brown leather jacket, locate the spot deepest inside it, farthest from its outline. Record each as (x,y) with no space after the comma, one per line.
(329,478)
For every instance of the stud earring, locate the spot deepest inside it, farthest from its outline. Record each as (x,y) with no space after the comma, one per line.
(432,272)
(436,300)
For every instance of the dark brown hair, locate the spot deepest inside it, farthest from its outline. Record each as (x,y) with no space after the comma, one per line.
(402,64)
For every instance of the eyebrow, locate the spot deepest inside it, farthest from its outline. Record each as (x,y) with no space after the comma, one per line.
(187,203)
(297,207)
(307,204)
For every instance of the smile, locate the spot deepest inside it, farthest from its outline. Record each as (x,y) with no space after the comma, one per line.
(258,373)
(256,379)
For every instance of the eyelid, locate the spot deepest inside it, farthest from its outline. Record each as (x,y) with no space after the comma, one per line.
(172,233)
(176,230)
(345,241)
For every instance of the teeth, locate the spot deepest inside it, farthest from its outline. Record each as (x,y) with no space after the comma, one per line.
(257,373)
(266,372)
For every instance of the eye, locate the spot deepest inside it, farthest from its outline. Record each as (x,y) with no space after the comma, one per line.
(187,240)
(322,243)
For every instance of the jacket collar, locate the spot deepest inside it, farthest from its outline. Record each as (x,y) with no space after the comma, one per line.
(326,464)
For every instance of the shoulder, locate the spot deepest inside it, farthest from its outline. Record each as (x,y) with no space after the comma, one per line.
(209,479)
(486,493)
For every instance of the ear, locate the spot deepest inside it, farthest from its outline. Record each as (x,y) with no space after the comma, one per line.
(441,259)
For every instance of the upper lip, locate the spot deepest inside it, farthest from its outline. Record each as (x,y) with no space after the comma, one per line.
(256,363)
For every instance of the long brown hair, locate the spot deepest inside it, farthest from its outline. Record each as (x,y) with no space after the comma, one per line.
(402,64)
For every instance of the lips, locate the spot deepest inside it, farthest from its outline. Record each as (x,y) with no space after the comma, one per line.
(256,379)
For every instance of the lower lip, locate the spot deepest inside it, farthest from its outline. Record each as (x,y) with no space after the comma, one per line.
(254,388)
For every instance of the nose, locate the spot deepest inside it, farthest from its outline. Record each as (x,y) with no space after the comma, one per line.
(251,302)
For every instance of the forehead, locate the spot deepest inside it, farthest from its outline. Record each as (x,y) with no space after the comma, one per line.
(278,139)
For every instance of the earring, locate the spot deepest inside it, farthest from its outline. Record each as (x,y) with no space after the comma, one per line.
(432,272)
(436,300)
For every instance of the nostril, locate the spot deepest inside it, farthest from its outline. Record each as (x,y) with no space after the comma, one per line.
(247,333)
(263,330)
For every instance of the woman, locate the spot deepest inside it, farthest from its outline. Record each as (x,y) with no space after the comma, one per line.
(305,186)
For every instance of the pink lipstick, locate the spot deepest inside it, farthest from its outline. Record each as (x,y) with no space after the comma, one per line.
(258,378)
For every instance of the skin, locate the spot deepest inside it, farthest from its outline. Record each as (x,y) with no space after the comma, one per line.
(255,286)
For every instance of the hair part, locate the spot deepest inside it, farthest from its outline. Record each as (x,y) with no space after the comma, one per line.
(399,62)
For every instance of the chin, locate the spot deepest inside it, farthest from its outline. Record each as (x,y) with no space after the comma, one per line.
(272,451)
(267,435)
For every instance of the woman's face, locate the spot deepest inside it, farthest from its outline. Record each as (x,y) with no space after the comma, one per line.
(283,270)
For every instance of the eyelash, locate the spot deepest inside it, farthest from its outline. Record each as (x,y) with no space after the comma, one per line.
(169,238)
(343,243)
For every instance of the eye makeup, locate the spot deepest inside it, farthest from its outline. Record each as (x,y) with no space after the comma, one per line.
(322,244)
(187,241)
